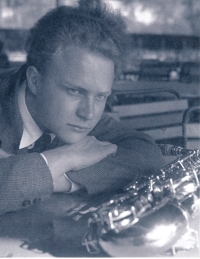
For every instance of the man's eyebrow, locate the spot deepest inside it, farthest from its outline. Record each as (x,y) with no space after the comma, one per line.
(67,84)
(106,93)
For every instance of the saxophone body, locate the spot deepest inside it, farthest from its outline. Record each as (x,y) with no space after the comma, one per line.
(150,215)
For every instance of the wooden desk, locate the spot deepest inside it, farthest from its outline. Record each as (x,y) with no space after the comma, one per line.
(46,230)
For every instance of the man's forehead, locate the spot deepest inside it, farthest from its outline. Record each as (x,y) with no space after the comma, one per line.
(81,52)
(80,57)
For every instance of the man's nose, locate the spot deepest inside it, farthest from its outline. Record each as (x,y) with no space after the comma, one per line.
(86,109)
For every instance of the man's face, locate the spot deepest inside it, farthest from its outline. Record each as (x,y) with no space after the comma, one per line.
(71,96)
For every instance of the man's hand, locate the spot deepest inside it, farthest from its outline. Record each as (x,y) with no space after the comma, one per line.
(76,156)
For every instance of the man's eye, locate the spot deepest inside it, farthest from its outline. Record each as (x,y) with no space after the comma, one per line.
(101,96)
(73,91)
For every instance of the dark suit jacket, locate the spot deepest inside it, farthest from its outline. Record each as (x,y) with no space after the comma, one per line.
(25,178)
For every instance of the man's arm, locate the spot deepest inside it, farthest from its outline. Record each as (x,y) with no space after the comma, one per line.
(136,154)
(28,178)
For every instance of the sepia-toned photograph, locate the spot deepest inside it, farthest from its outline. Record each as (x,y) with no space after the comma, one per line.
(100,128)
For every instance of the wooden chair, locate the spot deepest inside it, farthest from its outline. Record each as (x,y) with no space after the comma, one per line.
(158,113)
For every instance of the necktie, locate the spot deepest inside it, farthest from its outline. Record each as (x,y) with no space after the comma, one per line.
(41,144)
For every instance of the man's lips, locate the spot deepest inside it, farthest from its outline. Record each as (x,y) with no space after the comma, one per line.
(79,127)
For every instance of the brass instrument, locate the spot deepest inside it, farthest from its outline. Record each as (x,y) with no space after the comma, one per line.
(151,215)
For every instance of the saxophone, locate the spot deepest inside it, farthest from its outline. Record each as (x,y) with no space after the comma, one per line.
(152,214)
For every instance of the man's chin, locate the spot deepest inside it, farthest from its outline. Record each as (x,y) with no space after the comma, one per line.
(71,139)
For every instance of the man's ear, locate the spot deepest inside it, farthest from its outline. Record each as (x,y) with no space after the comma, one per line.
(32,76)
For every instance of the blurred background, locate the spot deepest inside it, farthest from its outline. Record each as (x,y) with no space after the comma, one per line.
(164,35)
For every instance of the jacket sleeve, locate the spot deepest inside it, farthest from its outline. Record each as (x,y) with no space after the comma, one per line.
(137,154)
(24,180)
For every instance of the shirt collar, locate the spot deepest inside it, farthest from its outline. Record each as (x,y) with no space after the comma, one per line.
(31,131)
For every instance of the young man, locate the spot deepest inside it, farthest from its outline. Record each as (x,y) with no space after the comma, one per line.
(60,93)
